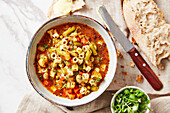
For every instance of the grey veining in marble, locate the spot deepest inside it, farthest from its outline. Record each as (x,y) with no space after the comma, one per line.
(19,19)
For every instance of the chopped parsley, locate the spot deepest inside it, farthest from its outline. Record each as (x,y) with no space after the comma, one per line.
(101,58)
(56,71)
(98,80)
(46,46)
(40,76)
(49,67)
(70,42)
(66,78)
(65,85)
(72,48)
(76,72)
(50,59)
(65,62)
(79,78)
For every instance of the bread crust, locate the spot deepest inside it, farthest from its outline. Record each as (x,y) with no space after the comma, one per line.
(134,28)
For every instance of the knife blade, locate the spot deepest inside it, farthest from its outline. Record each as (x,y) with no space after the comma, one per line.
(129,48)
(111,25)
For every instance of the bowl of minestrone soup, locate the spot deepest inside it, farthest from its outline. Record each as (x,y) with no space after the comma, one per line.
(71,60)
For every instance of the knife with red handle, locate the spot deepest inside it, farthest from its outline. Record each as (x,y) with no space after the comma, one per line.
(129,48)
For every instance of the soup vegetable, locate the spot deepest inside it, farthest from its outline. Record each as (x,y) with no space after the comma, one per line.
(71,60)
(131,100)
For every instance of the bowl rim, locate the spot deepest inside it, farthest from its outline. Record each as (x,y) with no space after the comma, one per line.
(28,50)
(120,90)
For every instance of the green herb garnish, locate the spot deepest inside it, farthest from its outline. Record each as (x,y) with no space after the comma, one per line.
(79,78)
(131,100)
(65,85)
(72,48)
(40,76)
(98,80)
(70,42)
(56,71)
(66,78)
(65,62)
(76,72)
(49,67)
(46,46)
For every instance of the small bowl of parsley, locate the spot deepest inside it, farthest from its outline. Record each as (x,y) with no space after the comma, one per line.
(130,99)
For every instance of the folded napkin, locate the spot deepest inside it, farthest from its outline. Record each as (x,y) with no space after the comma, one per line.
(161,105)
(34,103)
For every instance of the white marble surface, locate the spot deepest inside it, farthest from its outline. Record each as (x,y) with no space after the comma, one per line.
(19,20)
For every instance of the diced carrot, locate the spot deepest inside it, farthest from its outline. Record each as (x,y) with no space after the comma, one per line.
(80,72)
(60,85)
(76,90)
(70,79)
(69,66)
(79,95)
(46,82)
(71,61)
(85,44)
(64,90)
(64,95)
(72,96)
(69,90)
(78,38)
(64,57)
(59,82)
(62,78)
(84,41)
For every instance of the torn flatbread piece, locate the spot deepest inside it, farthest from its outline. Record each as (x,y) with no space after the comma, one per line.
(64,7)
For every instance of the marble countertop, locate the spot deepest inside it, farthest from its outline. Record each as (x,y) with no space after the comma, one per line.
(19,19)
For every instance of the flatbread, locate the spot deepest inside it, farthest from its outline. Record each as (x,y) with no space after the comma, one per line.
(64,7)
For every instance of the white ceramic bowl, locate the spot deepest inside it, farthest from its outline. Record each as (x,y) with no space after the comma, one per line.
(31,57)
(113,98)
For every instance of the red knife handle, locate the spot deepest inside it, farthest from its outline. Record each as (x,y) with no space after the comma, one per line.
(145,69)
